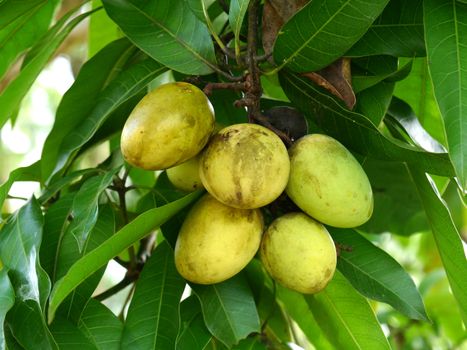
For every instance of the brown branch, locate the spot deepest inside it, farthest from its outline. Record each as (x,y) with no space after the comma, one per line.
(236,86)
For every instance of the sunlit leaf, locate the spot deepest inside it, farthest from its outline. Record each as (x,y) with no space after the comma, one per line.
(376,275)
(12,96)
(346,317)
(229,309)
(153,317)
(237,12)
(446,38)
(168,31)
(125,237)
(446,236)
(102,30)
(323,31)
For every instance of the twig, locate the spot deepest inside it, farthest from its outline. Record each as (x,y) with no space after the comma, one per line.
(127,280)
(237,86)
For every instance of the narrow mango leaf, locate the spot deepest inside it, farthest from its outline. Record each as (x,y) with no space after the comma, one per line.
(23,31)
(101,326)
(346,317)
(102,30)
(85,206)
(354,130)
(417,91)
(446,38)
(397,32)
(297,307)
(193,333)
(27,324)
(384,281)
(237,13)
(50,190)
(70,253)
(20,239)
(374,102)
(13,9)
(446,236)
(93,77)
(168,31)
(69,336)
(323,31)
(153,319)
(254,343)
(12,96)
(125,237)
(28,173)
(127,84)
(7,300)
(229,309)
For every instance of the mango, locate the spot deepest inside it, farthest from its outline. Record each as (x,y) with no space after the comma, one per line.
(299,253)
(328,183)
(185,176)
(170,125)
(216,241)
(245,166)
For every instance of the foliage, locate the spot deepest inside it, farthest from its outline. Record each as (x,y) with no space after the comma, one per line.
(386,78)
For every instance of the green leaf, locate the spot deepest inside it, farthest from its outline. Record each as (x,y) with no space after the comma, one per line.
(229,309)
(374,102)
(355,131)
(417,91)
(346,317)
(168,31)
(397,32)
(23,31)
(69,336)
(237,11)
(323,31)
(85,206)
(7,300)
(392,185)
(376,275)
(70,253)
(401,113)
(13,9)
(93,77)
(125,237)
(28,173)
(193,332)
(20,240)
(297,307)
(446,38)
(127,84)
(100,325)
(27,324)
(446,236)
(102,30)
(153,318)
(11,97)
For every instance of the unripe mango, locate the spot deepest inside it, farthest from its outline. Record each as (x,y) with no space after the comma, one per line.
(185,176)
(299,253)
(245,166)
(328,183)
(168,126)
(216,241)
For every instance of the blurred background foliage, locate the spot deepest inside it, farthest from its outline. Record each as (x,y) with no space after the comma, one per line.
(21,145)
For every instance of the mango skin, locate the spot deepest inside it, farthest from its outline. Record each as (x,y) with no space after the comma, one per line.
(328,183)
(170,125)
(299,253)
(185,176)
(245,166)
(216,241)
